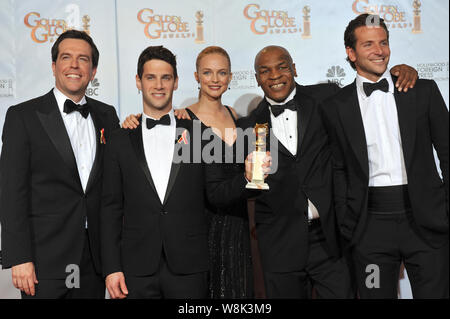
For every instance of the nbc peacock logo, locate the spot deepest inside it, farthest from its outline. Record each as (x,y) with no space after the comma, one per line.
(336,74)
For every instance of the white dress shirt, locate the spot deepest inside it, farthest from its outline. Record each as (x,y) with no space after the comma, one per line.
(82,137)
(159,145)
(382,131)
(284,126)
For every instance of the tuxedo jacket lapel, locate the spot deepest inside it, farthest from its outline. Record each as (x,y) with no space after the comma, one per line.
(406,109)
(52,122)
(172,179)
(97,118)
(352,123)
(304,111)
(138,146)
(175,168)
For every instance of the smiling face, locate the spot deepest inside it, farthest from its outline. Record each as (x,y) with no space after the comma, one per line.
(371,54)
(73,68)
(275,73)
(213,75)
(157,85)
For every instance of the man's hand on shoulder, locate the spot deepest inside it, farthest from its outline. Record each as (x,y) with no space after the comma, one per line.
(132,121)
(181,114)
(407,77)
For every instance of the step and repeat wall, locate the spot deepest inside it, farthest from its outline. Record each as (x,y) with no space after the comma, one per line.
(311,30)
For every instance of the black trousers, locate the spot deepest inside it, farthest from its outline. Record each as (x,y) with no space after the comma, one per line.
(329,277)
(165,284)
(389,240)
(91,284)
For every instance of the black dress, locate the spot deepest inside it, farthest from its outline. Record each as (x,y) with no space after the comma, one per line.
(231,274)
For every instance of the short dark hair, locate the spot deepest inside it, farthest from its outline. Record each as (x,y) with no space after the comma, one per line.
(75,34)
(285,54)
(362,20)
(157,53)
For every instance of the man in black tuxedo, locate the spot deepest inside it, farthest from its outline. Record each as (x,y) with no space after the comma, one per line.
(154,228)
(51,167)
(295,222)
(392,205)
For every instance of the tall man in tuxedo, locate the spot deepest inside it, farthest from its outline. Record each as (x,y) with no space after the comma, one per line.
(51,163)
(154,228)
(391,203)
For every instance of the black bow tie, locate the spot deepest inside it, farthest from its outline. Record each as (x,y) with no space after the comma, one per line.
(70,106)
(383,85)
(278,109)
(165,120)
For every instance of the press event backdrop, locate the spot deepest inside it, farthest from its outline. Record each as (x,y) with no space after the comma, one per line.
(311,30)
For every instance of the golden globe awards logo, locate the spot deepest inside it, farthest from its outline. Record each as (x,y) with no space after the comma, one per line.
(393,16)
(200,34)
(45,29)
(417,20)
(157,26)
(271,21)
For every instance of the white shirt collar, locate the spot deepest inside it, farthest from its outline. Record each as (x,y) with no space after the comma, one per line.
(61,99)
(360,80)
(290,97)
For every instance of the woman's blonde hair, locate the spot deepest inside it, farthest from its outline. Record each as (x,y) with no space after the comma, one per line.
(212,50)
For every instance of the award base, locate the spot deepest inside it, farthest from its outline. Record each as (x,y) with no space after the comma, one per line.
(253,185)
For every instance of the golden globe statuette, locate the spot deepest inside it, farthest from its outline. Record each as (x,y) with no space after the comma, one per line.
(306,23)
(261,131)
(417,25)
(86,19)
(200,35)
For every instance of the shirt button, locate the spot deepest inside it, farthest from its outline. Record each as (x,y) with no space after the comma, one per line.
(287,119)
(290,136)
(163,213)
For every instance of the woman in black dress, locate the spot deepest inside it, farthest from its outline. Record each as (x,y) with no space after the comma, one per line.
(229,239)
